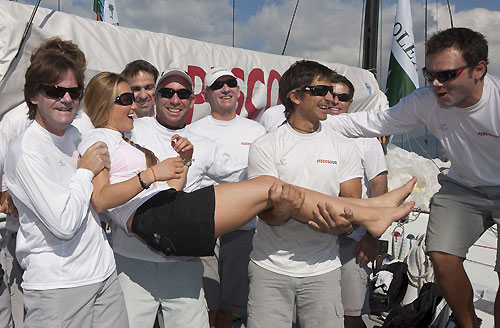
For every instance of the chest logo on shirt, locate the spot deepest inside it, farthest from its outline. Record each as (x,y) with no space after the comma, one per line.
(61,163)
(326,161)
(487,134)
(282,162)
(245,143)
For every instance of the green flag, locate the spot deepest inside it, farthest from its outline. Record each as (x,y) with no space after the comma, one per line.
(402,77)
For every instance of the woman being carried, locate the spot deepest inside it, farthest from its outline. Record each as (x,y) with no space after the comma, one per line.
(164,217)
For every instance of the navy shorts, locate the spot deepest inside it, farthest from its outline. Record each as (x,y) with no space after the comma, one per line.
(178,223)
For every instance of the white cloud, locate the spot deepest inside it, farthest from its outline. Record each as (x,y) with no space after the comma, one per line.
(322,30)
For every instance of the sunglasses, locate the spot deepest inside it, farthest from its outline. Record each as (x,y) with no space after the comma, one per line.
(322,90)
(169,93)
(56,92)
(125,99)
(232,83)
(444,76)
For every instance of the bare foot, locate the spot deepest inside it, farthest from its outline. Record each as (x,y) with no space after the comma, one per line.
(384,217)
(394,197)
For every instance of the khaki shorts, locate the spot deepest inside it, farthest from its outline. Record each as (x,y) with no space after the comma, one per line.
(460,215)
(354,279)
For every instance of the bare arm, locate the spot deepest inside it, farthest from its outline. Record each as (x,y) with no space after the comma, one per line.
(106,195)
(378,185)
(351,188)
(172,170)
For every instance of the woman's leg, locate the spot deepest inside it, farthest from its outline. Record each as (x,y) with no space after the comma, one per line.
(237,203)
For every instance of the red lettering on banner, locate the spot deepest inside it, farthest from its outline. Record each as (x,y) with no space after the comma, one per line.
(273,76)
(240,74)
(193,72)
(255,75)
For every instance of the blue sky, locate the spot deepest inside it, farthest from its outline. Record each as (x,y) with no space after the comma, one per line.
(323,30)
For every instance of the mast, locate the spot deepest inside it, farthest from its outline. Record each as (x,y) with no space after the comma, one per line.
(370,36)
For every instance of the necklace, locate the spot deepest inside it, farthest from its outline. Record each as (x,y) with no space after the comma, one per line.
(302,130)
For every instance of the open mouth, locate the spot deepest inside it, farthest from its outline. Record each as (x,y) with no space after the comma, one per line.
(327,108)
(174,110)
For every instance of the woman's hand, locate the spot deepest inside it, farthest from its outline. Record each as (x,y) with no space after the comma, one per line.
(183,147)
(168,169)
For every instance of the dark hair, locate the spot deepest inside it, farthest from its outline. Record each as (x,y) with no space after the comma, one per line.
(64,47)
(133,68)
(48,68)
(299,75)
(472,45)
(337,78)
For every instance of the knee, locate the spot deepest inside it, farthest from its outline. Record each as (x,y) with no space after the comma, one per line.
(444,261)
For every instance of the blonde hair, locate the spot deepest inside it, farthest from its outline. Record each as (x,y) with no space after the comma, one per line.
(99,97)
(98,103)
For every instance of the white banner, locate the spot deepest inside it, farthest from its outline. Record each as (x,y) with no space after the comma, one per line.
(109,48)
(110,13)
(403,43)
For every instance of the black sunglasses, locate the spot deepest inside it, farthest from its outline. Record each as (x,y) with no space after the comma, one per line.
(322,90)
(232,83)
(444,76)
(125,99)
(169,93)
(56,92)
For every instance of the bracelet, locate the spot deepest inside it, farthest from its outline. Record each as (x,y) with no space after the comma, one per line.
(154,175)
(187,163)
(143,185)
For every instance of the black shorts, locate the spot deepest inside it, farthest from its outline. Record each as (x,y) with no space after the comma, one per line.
(178,223)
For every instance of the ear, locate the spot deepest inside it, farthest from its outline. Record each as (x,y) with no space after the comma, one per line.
(204,95)
(479,70)
(154,97)
(294,97)
(34,99)
(192,101)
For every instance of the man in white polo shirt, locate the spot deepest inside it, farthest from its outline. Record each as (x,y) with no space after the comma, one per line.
(226,274)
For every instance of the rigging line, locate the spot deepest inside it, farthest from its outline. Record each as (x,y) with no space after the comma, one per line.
(429,156)
(449,11)
(379,75)
(233,22)
(290,28)
(23,39)
(361,33)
